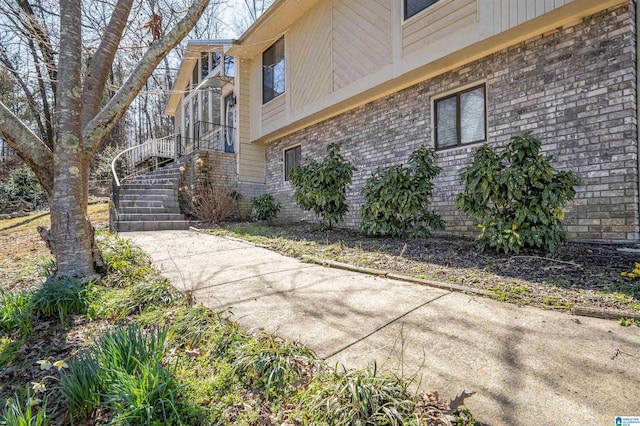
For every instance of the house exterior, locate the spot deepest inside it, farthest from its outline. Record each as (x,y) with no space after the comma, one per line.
(383,77)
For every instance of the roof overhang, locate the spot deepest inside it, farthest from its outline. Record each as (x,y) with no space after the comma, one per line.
(269,27)
(191,54)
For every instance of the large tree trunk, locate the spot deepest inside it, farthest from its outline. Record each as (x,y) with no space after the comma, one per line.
(70,229)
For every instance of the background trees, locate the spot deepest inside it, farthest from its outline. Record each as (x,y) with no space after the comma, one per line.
(66,57)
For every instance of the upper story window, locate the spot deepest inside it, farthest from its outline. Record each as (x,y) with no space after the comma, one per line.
(204,64)
(292,159)
(461,118)
(412,7)
(215,60)
(195,76)
(229,66)
(273,71)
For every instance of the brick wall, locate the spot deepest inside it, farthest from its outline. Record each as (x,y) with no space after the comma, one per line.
(573,88)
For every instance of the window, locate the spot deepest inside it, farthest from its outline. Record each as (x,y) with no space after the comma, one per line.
(460,118)
(412,7)
(292,159)
(204,64)
(229,66)
(273,71)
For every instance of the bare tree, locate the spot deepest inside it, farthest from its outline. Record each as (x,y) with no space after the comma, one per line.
(80,121)
(247,12)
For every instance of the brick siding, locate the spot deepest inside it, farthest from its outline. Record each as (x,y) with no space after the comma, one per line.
(573,88)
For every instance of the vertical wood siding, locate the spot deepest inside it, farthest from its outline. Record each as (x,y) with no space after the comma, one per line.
(509,13)
(362,39)
(251,156)
(310,51)
(438,21)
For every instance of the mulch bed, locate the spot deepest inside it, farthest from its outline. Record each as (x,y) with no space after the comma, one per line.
(576,274)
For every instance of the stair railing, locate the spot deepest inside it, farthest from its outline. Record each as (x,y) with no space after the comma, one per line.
(138,160)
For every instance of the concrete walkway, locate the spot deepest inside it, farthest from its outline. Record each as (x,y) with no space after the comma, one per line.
(527,366)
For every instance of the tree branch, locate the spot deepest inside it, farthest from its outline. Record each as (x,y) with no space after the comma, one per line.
(34,26)
(100,126)
(28,146)
(100,64)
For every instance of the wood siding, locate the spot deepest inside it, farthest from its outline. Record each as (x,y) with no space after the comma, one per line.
(362,39)
(274,109)
(310,49)
(438,21)
(251,156)
(506,14)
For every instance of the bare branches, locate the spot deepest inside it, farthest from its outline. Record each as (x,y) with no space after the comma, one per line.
(99,127)
(28,146)
(100,64)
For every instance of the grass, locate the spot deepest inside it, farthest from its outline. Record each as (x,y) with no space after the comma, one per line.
(129,350)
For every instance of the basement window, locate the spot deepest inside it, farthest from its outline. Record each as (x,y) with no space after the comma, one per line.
(292,159)
(461,118)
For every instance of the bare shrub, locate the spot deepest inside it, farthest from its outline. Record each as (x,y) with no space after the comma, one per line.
(211,203)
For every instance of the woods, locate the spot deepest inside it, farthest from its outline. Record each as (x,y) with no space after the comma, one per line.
(73,109)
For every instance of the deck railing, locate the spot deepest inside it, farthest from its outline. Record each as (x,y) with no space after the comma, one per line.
(150,155)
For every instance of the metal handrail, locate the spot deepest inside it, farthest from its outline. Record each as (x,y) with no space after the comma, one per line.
(142,149)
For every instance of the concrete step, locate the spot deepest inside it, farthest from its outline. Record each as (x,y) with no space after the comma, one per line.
(148,203)
(164,225)
(149,210)
(150,190)
(141,196)
(134,186)
(149,217)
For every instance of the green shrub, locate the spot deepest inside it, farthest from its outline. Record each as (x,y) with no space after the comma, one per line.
(358,397)
(516,196)
(265,207)
(16,312)
(321,187)
(397,198)
(27,413)
(61,298)
(23,185)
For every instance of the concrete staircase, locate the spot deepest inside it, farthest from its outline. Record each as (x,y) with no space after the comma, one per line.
(149,202)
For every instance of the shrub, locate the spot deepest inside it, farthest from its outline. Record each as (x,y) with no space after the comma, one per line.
(211,203)
(516,196)
(23,185)
(397,198)
(265,207)
(321,187)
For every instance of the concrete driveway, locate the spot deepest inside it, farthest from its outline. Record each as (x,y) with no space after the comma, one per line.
(527,366)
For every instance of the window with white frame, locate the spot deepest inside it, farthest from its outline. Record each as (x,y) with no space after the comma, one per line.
(292,159)
(413,7)
(273,71)
(461,118)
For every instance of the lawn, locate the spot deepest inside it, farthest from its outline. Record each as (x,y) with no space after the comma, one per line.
(575,275)
(131,350)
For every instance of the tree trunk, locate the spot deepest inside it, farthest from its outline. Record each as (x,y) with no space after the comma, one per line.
(70,229)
